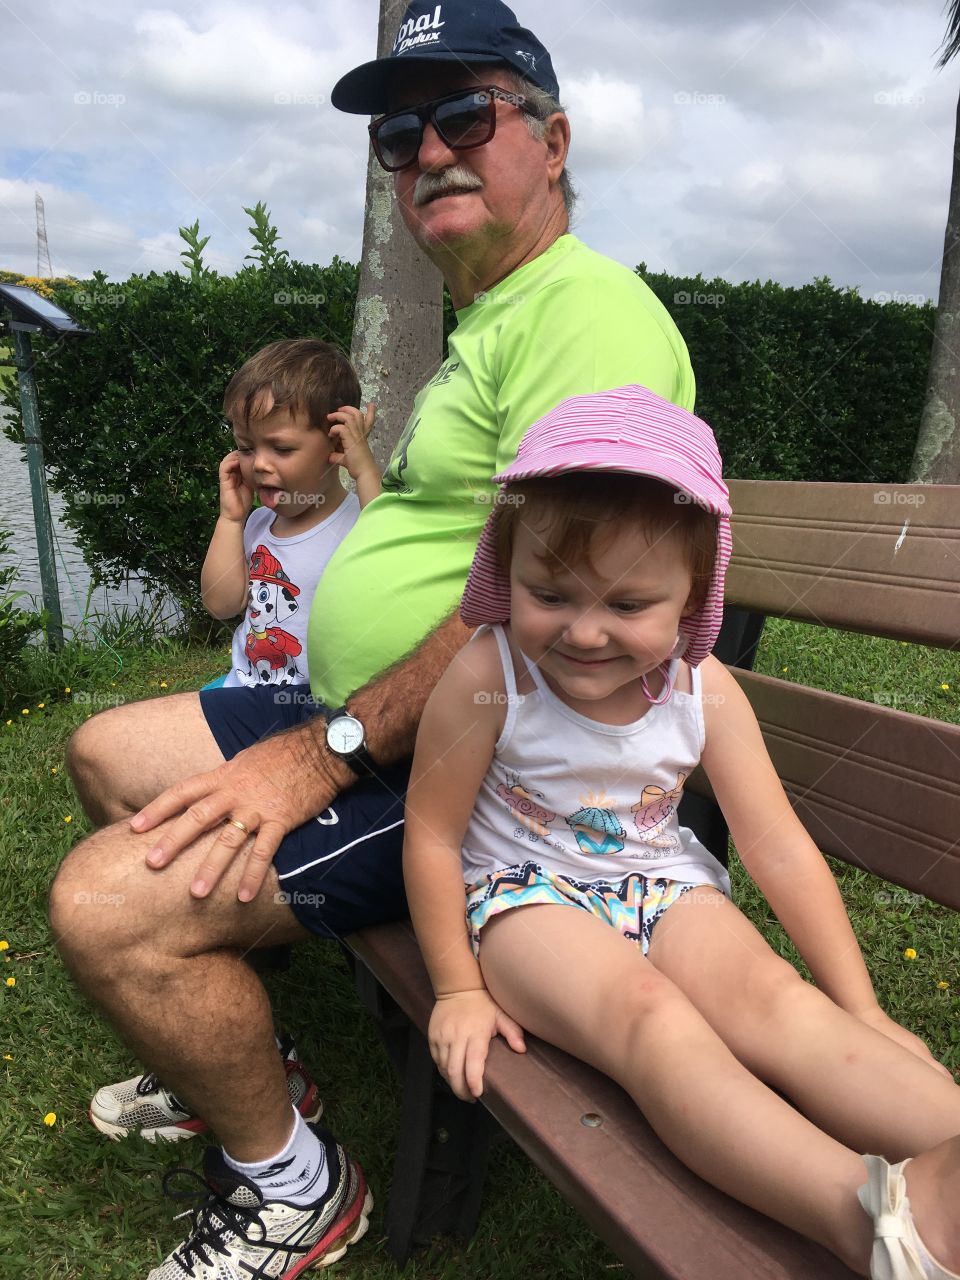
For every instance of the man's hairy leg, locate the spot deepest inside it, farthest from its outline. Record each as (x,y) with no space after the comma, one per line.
(170,974)
(123,758)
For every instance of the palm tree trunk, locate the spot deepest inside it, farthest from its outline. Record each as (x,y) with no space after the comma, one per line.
(398,325)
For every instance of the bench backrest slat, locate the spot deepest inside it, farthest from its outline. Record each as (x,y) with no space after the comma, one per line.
(876,787)
(884,559)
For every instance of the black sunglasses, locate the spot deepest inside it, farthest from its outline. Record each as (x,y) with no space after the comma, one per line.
(465,119)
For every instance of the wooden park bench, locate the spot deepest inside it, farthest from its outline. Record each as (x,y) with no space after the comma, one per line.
(876,787)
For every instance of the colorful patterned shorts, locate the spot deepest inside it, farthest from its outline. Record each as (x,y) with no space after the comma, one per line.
(633,906)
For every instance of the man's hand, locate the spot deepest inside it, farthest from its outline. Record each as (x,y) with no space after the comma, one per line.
(880,1021)
(461,1027)
(271,788)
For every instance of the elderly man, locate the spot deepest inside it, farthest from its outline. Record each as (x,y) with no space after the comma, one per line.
(244,839)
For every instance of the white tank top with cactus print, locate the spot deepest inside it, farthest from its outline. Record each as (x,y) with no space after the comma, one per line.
(592,801)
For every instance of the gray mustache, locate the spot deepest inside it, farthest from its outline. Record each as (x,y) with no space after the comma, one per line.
(457,178)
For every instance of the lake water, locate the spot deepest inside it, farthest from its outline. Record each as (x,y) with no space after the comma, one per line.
(73,574)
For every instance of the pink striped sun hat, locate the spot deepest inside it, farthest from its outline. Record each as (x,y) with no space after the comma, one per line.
(630,430)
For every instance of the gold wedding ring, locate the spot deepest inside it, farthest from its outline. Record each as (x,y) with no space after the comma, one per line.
(235,822)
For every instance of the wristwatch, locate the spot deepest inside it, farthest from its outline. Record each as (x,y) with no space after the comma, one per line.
(345,739)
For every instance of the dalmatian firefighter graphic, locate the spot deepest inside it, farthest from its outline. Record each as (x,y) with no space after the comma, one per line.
(272,599)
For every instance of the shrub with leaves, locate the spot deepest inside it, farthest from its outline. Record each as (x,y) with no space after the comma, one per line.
(16,625)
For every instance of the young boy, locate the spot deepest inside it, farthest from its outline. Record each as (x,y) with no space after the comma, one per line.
(294,409)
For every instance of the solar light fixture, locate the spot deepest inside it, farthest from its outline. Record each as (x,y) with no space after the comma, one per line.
(27,312)
(27,307)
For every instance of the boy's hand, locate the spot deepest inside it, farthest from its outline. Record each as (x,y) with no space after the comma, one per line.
(880,1021)
(236,498)
(349,428)
(461,1027)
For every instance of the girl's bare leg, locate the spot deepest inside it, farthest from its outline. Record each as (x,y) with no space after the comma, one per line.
(852,1081)
(574,981)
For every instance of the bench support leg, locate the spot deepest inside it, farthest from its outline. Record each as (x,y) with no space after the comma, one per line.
(443,1145)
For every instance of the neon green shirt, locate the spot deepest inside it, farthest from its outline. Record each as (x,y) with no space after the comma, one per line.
(567,323)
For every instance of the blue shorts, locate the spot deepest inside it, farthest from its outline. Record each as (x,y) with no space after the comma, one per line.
(342,870)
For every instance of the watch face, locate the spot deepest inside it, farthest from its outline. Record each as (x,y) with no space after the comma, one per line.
(345,735)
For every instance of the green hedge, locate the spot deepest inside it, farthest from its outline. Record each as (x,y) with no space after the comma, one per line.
(809,383)
(812,383)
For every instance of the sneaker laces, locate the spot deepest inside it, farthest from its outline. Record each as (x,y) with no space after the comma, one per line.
(215,1218)
(150,1083)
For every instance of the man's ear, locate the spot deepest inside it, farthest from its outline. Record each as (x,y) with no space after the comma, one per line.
(556,135)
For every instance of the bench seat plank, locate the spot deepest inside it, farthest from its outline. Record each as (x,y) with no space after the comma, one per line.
(657,1216)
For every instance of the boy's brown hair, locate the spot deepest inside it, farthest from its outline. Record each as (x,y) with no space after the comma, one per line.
(584,511)
(303,374)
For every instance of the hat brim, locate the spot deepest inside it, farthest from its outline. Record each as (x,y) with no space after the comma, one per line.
(366,89)
(486,595)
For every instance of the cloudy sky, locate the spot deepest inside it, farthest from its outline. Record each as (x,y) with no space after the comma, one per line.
(780,139)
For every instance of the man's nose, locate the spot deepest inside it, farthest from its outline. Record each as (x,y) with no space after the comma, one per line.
(434,154)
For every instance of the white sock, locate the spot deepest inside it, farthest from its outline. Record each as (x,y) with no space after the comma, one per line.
(298,1174)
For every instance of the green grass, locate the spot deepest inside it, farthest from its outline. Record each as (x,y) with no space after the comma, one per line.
(79,1208)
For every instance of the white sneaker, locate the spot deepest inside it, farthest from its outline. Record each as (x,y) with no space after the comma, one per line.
(142,1106)
(236,1234)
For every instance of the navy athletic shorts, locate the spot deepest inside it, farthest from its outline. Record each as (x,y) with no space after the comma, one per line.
(343,869)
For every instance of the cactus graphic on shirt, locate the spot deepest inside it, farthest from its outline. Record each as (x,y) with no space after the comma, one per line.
(653,811)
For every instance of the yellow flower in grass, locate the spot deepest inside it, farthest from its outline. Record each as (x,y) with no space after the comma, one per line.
(945,688)
(8,1057)
(54,769)
(9,722)
(4,945)
(25,711)
(41,705)
(11,982)
(163,684)
(50,1119)
(909,954)
(784,668)
(68,689)
(68,817)
(943,986)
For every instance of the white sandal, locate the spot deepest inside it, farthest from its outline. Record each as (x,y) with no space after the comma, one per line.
(897,1248)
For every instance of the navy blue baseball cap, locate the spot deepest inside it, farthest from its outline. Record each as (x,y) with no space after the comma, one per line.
(453,31)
